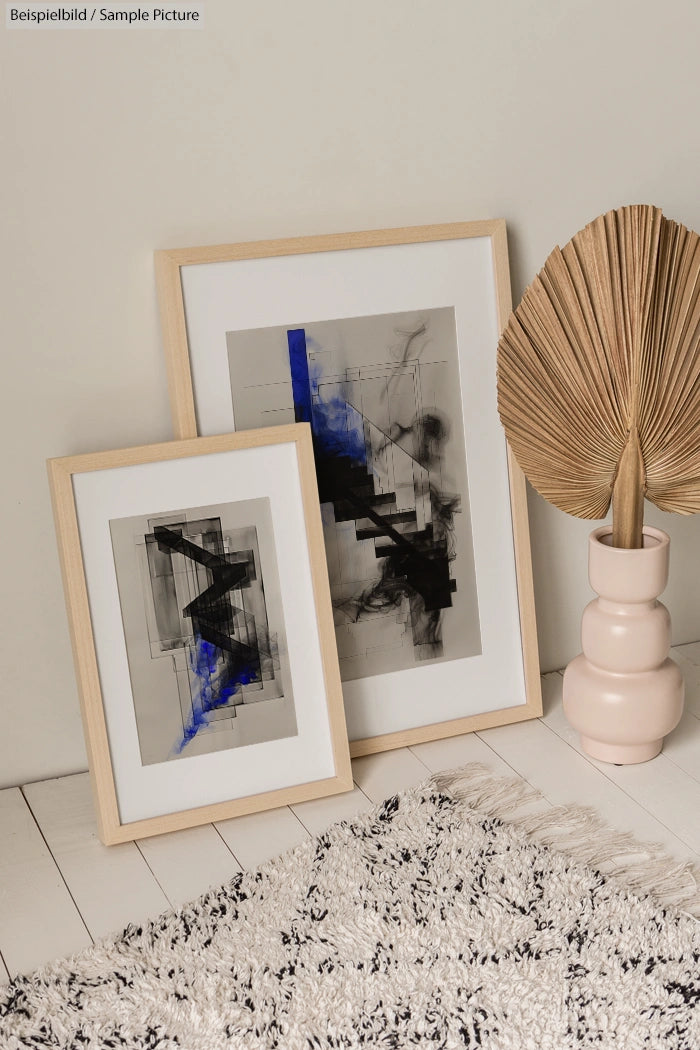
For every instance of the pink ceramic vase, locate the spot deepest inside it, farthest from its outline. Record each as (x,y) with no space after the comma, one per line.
(623,693)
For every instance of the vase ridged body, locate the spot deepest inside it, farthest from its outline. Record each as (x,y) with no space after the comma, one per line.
(623,693)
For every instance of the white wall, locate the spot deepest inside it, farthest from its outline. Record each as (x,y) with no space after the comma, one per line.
(276,119)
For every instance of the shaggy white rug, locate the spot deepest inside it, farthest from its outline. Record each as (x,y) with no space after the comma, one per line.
(432,921)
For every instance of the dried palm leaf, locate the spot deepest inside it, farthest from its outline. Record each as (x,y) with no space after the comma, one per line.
(599,372)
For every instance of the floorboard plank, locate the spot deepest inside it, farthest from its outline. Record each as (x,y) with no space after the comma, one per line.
(258,837)
(187,863)
(688,659)
(319,813)
(682,746)
(38,919)
(387,772)
(564,777)
(690,650)
(667,792)
(457,751)
(111,885)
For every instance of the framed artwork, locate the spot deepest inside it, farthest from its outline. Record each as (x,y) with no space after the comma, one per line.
(202,628)
(385,343)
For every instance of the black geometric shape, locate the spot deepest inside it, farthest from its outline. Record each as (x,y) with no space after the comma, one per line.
(211,614)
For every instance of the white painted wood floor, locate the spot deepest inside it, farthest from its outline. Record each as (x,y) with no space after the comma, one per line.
(60,888)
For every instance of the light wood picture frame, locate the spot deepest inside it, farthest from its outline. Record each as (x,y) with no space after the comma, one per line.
(394,332)
(201,625)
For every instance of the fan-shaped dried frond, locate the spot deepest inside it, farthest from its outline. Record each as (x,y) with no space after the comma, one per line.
(599,370)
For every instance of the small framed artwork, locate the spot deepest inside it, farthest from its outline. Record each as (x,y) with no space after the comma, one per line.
(202,629)
(385,343)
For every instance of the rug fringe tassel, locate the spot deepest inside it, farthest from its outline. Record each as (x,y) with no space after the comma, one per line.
(645,869)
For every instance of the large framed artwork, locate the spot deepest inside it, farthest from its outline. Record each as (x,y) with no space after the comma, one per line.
(202,628)
(385,343)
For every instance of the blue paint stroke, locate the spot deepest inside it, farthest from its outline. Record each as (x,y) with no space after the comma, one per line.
(336,426)
(214,687)
(299,365)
